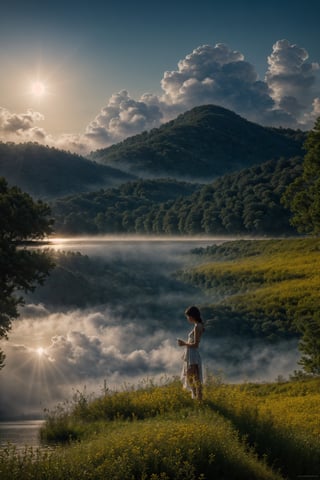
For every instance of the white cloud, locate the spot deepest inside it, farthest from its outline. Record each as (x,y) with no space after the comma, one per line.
(85,348)
(291,78)
(123,116)
(80,348)
(222,76)
(215,75)
(208,75)
(21,126)
(77,143)
(311,116)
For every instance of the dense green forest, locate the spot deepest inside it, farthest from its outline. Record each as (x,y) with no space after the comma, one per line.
(246,202)
(303,195)
(116,210)
(201,144)
(48,172)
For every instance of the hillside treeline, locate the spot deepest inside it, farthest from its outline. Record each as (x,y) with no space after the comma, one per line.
(246,202)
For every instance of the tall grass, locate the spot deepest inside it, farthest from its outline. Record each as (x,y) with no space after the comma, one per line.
(74,419)
(243,431)
(202,445)
(281,420)
(175,438)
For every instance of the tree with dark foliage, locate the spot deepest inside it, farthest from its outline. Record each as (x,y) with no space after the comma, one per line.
(303,195)
(22,220)
(310,344)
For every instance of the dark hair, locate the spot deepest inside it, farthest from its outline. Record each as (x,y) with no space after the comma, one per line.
(194,312)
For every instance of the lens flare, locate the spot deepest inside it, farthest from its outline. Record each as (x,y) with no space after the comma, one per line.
(40,351)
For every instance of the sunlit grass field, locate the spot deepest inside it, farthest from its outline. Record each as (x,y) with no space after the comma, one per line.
(243,431)
(279,270)
(276,283)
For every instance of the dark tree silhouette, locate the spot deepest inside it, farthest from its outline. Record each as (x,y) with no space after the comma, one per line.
(22,220)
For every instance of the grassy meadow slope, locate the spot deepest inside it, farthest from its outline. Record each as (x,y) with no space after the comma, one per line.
(266,287)
(248,431)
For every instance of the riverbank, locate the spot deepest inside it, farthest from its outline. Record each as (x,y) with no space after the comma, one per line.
(257,431)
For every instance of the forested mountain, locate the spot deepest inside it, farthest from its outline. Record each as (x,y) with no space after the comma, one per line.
(198,146)
(201,144)
(246,202)
(47,172)
(207,143)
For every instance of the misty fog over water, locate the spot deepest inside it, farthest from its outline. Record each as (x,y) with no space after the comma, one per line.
(55,349)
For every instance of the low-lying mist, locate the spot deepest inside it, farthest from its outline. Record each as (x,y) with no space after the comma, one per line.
(109,315)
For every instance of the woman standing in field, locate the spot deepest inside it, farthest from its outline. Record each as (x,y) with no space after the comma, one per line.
(192,368)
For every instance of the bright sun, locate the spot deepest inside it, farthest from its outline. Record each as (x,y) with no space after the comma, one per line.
(40,351)
(38,89)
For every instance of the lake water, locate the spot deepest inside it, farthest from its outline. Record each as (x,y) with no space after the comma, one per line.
(123,334)
(54,351)
(20,433)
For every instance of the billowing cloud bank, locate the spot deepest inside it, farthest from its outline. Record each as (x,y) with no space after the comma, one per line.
(90,349)
(288,96)
(81,348)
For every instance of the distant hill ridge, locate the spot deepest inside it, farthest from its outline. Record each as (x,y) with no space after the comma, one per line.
(201,144)
(48,172)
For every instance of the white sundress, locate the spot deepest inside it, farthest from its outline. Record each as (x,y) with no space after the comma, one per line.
(191,356)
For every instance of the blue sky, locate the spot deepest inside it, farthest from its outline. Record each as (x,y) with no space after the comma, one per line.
(62,64)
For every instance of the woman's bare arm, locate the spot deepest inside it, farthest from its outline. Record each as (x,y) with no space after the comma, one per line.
(197,336)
